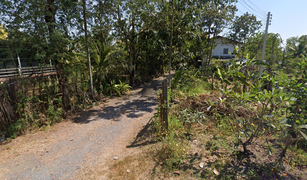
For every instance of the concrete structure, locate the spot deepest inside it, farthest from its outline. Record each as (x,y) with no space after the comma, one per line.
(224,48)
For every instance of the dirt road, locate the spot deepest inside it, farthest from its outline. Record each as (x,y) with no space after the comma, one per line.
(65,150)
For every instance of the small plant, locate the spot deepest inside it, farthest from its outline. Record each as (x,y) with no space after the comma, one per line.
(188,117)
(252,127)
(173,150)
(113,88)
(123,87)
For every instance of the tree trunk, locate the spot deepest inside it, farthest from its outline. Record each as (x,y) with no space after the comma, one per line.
(87,49)
(171,46)
(63,81)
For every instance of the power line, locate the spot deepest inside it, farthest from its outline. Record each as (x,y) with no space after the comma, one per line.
(257,7)
(260,13)
(251,11)
(247,6)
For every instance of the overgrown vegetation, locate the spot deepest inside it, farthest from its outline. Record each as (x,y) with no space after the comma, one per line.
(245,130)
(226,119)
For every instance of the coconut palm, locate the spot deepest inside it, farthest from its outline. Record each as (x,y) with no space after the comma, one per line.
(297,46)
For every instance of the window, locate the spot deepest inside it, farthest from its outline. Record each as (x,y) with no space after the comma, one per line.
(225,51)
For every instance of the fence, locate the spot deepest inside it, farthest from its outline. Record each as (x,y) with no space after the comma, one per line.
(26,71)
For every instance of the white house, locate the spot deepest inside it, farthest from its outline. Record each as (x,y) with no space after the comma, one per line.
(224,48)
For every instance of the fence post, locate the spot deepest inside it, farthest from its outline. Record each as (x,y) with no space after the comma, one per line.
(165,104)
(12,90)
(19,65)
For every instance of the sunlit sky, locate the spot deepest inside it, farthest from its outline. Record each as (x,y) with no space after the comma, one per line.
(289,16)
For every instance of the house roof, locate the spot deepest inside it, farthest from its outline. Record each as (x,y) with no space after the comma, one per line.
(228,40)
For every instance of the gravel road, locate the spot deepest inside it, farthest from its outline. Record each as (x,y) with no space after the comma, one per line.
(63,151)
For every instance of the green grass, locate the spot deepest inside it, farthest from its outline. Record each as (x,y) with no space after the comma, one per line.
(195,88)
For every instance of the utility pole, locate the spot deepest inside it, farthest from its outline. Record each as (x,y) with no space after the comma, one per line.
(264,42)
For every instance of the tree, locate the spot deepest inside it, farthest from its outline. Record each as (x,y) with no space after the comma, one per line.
(108,59)
(255,42)
(87,46)
(214,16)
(242,28)
(46,26)
(132,19)
(3,33)
(57,17)
(297,46)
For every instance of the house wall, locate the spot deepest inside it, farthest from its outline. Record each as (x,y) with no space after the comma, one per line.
(218,51)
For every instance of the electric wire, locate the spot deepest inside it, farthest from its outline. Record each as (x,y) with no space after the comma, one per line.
(262,17)
(251,11)
(254,10)
(257,7)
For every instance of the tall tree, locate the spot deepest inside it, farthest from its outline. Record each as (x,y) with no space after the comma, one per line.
(214,17)
(297,46)
(87,47)
(132,19)
(242,28)
(255,42)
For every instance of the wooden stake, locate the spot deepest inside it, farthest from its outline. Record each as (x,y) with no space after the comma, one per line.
(165,104)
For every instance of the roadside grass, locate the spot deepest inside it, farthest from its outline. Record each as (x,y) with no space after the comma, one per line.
(206,147)
(202,141)
(194,88)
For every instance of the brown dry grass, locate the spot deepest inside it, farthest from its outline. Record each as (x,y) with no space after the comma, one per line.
(138,166)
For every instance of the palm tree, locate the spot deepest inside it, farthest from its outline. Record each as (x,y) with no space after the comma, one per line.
(297,46)
(107,59)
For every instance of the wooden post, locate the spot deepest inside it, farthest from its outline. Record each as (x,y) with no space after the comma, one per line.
(165,104)
(40,91)
(12,89)
(19,65)
(161,108)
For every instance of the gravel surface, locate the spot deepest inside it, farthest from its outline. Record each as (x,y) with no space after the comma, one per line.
(99,134)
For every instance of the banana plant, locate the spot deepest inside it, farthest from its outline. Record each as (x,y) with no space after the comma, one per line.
(247,67)
(225,76)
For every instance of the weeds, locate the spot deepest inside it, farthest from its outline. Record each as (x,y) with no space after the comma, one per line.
(269,121)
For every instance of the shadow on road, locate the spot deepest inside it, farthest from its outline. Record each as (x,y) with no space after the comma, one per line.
(131,106)
(143,138)
(132,109)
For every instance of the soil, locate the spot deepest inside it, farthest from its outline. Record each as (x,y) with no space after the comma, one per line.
(74,148)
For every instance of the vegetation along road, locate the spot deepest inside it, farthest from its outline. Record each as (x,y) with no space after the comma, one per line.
(100,134)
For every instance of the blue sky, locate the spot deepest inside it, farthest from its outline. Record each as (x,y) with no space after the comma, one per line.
(289,16)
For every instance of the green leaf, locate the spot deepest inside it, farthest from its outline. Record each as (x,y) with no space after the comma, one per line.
(283,121)
(227,82)
(284,131)
(258,62)
(304,135)
(269,147)
(219,73)
(303,126)
(288,125)
(242,80)
(268,116)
